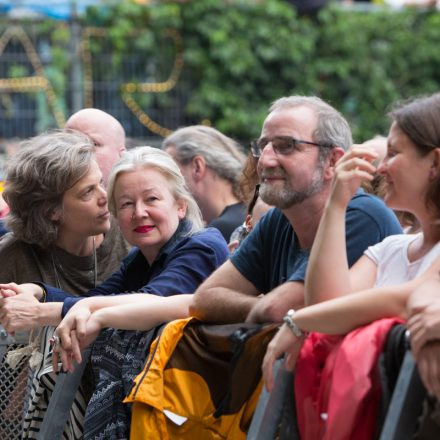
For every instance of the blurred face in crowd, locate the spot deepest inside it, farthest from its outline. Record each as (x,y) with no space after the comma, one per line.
(106,133)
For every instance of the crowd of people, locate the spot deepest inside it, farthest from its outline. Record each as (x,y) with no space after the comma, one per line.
(309,232)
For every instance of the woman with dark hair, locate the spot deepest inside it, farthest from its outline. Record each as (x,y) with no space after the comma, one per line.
(379,284)
(60,234)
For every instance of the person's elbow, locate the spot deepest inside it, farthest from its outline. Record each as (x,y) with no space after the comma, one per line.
(269,311)
(198,305)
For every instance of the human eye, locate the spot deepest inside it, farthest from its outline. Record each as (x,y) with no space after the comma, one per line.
(125,204)
(391,152)
(261,143)
(284,145)
(87,193)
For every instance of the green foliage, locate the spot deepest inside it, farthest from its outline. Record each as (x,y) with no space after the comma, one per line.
(364,67)
(241,55)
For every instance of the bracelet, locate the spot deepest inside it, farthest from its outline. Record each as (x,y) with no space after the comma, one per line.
(288,319)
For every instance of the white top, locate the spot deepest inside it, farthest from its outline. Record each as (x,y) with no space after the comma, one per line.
(398,4)
(391,258)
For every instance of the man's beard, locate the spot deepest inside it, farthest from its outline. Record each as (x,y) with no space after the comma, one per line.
(287,197)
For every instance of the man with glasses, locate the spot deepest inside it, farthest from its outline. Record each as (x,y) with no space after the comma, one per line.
(301,140)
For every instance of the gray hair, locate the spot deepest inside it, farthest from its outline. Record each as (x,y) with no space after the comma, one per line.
(222,154)
(149,157)
(37,177)
(332,128)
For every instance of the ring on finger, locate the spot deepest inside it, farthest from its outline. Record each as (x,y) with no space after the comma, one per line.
(55,341)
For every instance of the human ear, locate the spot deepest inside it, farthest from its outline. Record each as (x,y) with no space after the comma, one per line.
(335,154)
(56,215)
(248,223)
(434,170)
(198,167)
(182,207)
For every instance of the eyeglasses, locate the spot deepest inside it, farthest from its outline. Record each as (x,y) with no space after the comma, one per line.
(283,145)
(254,199)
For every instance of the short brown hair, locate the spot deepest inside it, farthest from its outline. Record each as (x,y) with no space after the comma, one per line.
(37,177)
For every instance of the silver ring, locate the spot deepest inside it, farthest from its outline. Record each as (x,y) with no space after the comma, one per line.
(55,340)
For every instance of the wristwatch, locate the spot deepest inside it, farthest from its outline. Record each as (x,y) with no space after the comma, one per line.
(288,319)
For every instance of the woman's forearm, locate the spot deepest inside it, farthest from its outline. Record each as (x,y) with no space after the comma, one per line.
(343,314)
(147,312)
(327,270)
(96,303)
(49,313)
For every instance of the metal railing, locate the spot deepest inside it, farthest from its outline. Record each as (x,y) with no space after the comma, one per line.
(13,386)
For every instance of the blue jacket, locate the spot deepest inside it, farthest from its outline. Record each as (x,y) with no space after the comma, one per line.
(182,264)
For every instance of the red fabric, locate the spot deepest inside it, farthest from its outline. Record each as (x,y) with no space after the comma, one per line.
(338,376)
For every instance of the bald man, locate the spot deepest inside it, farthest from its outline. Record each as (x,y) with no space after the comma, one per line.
(107,133)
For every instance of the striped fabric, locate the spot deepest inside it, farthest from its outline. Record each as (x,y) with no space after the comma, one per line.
(43,381)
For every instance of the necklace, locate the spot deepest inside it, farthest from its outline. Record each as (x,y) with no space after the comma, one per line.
(55,271)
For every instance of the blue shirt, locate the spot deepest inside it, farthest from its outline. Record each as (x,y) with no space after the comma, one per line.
(182,264)
(271,254)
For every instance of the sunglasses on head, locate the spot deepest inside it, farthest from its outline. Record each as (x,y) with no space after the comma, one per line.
(281,145)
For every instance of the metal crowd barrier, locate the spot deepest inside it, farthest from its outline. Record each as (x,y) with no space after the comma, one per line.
(13,386)
(406,404)
(275,415)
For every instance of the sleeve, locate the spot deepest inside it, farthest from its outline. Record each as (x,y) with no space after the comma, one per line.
(114,284)
(379,251)
(365,228)
(298,273)
(190,264)
(186,267)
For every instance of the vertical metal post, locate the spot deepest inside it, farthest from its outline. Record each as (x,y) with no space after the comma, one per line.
(76,74)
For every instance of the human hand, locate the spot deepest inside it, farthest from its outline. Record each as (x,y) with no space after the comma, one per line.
(12,289)
(75,319)
(19,312)
(68,356)
(351,170)
(283,342)
(62,355)
(424,327)
(428,363)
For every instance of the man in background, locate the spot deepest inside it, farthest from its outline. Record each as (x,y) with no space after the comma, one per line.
(105,131)
(211,164)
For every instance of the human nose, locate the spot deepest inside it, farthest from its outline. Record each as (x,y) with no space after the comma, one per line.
(382,167)
(140,210)
(268,156)
(102,196)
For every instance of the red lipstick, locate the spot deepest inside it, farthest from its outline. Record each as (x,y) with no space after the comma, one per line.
(144,229)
